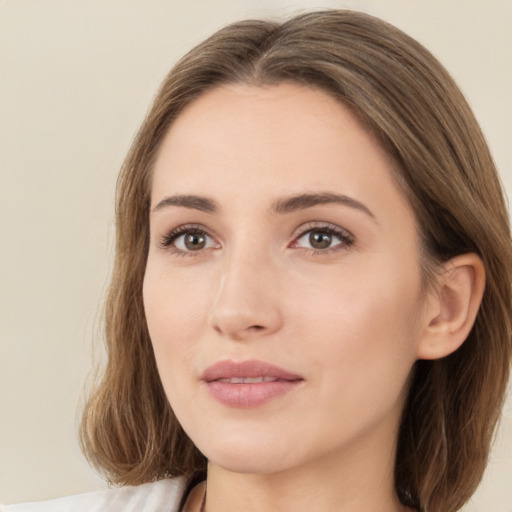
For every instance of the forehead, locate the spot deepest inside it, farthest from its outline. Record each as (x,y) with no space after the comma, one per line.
(270,141)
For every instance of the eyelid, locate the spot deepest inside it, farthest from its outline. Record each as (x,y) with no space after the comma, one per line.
(319,225)
(166,240)
(346,238)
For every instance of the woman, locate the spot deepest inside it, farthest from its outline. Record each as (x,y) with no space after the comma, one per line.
(310,303)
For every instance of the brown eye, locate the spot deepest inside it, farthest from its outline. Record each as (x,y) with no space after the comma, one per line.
(194,241)
(320,239)
(187,240)
(324,239)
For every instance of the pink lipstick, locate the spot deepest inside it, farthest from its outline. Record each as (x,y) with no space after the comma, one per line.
(248,383)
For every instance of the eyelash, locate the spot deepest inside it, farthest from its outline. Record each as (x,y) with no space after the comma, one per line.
(168,240)
(346,239)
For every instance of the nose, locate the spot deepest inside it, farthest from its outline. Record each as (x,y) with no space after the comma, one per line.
(246,305)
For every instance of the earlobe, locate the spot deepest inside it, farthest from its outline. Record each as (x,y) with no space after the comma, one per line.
(453,306)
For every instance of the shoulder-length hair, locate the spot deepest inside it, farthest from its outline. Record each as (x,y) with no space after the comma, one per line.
(404,97)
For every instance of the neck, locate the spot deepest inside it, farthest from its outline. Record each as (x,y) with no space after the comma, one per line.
(354,481)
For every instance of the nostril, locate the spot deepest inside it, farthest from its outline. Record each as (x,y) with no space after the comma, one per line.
(240,323)
(239,332)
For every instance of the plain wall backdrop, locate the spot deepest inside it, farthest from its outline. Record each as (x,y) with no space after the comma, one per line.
(76,78)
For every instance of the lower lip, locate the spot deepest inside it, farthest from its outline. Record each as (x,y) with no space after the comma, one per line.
(245,396)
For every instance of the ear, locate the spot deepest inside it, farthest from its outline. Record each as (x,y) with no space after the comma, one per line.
(453,306)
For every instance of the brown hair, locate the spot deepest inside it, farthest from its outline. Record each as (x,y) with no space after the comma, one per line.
(406,98)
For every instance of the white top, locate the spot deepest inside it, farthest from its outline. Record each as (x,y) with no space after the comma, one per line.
(162,496)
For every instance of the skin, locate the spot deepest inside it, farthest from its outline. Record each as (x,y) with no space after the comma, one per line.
(351,319)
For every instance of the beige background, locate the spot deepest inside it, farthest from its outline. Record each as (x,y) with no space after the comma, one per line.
(75,80)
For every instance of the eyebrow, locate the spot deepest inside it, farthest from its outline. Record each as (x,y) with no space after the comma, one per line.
(200,203)
(304,201)
(281,206)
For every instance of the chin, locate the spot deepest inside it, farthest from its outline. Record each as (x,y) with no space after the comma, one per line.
(254,462)
(247,454)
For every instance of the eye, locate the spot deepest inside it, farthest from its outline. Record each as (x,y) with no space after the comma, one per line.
(323,239)
(192,241)
(187,240)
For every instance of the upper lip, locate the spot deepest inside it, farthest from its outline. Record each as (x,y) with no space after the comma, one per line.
(246,369)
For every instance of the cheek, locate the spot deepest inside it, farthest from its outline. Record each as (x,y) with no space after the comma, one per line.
(363,326)
(360,355)
(176,314)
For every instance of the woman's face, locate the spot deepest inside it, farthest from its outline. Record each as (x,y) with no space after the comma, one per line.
(283,288)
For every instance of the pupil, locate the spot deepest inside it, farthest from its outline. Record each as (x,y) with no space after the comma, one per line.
(195,241)
(320,240)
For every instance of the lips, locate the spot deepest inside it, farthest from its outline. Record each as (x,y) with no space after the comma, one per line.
(248,380)
(248,383)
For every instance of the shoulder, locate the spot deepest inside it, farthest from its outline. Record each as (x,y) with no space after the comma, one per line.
(161,496)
